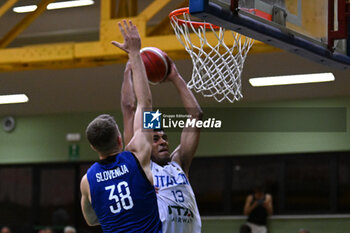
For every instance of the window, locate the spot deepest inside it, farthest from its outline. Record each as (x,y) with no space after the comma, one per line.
(250,172)
(344,184)
(57,192)
(16,194)
(49,194)
(208,177)
(299,183)
(307,180)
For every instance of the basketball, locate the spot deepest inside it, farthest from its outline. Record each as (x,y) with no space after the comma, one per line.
(157,64)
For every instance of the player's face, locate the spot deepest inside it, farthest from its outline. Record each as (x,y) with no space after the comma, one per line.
(160,148)
(5,230)
(259,194)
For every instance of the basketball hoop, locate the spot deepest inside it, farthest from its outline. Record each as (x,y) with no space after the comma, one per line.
(217,69)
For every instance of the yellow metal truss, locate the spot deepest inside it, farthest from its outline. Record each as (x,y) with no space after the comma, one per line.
(87,54)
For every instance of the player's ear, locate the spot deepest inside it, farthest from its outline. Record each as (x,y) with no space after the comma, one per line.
(92,147)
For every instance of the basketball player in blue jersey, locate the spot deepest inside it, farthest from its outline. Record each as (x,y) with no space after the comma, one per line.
(176,201)
(118,192)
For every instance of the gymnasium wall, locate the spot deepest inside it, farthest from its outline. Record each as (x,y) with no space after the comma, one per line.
(43,138)
(261,142)
(38,139)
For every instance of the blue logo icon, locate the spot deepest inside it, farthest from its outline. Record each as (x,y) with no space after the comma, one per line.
(151,120)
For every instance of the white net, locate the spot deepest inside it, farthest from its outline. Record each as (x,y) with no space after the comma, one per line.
(217,66)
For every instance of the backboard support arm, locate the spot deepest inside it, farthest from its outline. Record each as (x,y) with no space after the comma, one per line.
(234,5)
(343,18)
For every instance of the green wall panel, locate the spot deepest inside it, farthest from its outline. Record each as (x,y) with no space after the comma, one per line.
(43,138)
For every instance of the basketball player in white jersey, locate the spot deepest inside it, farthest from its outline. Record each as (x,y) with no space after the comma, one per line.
(176,201)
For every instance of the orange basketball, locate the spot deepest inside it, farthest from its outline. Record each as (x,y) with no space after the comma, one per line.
(157,64)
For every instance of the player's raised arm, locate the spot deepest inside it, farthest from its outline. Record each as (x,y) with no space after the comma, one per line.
(184,153)
(249,206)
(140,143)
(128,104)
(268,204)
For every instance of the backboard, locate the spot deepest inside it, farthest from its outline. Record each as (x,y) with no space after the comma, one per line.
(314,29)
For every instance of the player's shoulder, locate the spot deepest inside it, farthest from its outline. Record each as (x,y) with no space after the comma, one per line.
(84,178)
(84,184)
(91,169)
(171,166)
(174,165)
(126,155)
(154,165)
(130,159)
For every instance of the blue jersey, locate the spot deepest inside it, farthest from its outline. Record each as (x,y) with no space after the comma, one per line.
(123,198)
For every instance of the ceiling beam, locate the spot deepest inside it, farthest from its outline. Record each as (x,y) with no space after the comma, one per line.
(6,6)
(164,26)
(84,54)
(127,8)
(108,9)
(24,23)
(153,9)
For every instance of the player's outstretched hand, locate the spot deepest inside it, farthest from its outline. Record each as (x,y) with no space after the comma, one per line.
(174,73)
(132,40)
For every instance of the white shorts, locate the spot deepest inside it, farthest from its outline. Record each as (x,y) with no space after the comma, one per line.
(257,228)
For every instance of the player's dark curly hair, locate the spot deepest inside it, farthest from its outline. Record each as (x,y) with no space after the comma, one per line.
(102,133)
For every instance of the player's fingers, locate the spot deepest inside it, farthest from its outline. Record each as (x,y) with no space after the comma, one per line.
(131,24)
(122,29)
(119,45)
(172,65)
(132,27)
(170,60)
(126,26)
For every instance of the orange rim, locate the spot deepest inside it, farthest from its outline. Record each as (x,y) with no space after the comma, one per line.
(173,16)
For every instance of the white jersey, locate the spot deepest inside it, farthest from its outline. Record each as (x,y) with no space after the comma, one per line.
(177,205)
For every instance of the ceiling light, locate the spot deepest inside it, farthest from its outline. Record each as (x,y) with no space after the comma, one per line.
(54,6)
(25,9)
(13,99)
(68,4)
(291,79)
